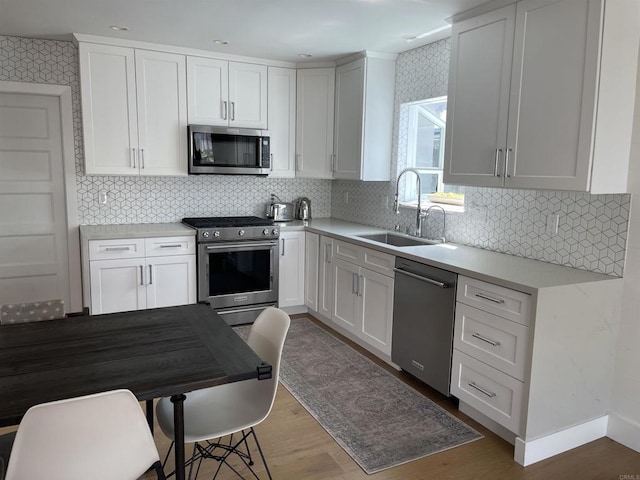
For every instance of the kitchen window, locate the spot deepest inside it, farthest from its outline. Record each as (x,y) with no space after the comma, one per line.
(426,130)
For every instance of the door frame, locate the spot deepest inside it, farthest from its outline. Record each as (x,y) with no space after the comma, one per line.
(63,92)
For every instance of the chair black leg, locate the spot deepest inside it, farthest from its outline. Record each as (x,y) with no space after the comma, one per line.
(264,461)
(159,471)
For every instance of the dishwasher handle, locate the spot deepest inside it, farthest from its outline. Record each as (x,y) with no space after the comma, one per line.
(423,279)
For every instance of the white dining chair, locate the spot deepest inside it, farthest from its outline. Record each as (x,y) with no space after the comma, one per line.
(104,436)
(233,408)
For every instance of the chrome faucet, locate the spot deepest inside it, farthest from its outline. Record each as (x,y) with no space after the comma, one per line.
(444,219)
(396,203)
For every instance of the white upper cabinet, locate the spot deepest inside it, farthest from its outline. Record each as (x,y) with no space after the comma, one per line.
(134,111)
(314,122)
(364,118)
(227,93)
(282,121)
(541,96)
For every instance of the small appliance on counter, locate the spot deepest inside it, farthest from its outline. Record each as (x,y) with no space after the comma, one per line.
(279,211)
(303,209)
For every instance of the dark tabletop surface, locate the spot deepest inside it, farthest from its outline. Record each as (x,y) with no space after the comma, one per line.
(153,353)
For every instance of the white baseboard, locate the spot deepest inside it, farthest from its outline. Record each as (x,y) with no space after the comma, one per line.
(295,310)
(533,451)
(624,431)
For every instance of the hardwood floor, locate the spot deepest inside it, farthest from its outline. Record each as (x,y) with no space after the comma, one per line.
(298,448)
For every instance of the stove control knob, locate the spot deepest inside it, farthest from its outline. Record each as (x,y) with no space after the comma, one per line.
(241,233)
(265,231)
(274,231)
(205,234)
(216,234)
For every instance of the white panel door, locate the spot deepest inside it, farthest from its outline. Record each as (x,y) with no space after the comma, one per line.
(207,91)
(34,261)
(109,111)
(162,113)
(346,305)
(311,250)
(282,121)
(376,293)
(325,277)
(247,95)
(478,103)
(315,93)
(118,285)
(171,280)
(349,119)
(291,269)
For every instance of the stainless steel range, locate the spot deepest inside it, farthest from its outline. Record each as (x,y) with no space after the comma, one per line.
(237,265)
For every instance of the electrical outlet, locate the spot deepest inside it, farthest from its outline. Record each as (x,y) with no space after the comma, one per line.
(553,219)
(103,197)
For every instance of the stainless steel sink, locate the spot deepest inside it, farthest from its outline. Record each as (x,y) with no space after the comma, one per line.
(396,239)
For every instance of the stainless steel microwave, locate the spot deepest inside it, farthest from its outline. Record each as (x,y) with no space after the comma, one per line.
(231,151)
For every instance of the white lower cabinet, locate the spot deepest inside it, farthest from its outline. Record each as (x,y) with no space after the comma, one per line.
(311,252)
(325,277)
(291,269)
(129,275)
(363,298)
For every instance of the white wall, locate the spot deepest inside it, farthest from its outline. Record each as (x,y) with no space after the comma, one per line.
(624,425)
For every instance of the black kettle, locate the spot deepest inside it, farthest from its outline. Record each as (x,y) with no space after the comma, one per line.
(303,209)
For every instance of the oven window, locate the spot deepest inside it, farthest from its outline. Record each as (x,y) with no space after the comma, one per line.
(212,149)
(239,272)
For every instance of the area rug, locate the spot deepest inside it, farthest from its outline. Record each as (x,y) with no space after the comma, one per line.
(377,419)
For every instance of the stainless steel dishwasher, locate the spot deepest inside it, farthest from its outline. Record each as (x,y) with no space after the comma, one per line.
(423,313)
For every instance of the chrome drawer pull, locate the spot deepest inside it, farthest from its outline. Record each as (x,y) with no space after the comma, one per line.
(485,339)
(494,300)
(116,249)
(482,390)
(175,245)
(141,275)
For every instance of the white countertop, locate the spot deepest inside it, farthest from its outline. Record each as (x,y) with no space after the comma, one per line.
(134,230)
(519,273)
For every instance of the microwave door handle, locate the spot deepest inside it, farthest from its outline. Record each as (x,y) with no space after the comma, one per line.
(260,152)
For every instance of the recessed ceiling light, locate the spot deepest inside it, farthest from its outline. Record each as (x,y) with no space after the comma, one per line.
(119,28)
(221,42)
(305,55)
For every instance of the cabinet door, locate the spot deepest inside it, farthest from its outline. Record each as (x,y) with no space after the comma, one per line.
(109,111)
(207,91)
(325,277)
(117,285)
(553,87)
(346,305)
(478,102)
(282,121)
(247,95)
(291,269)
(311,251)
(314,122)
(162,113)
(171,280)
(349,119)
(376,295)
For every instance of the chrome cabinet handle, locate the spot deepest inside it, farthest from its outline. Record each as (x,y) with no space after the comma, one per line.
(360,284)
(482,390)
(142,158)
(141,275)
(499,301)
(496,173)
(133,150)
(224,110)
(485,339)
(354,285)
(282,252)
(506,163)
(116,249)
(173,245)
(332,160)
(327,253)
(233,111)
(150,274)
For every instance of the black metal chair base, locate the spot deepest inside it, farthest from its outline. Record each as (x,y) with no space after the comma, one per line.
(221,451)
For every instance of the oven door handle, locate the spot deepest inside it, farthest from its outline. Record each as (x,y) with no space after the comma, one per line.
(240,246)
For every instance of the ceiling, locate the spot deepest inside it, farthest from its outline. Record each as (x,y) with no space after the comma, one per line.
(271,29)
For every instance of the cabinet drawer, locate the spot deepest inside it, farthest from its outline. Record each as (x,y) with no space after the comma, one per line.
(491,392)
(120,248)
(365,257)
(163,246)
(501,343)
(492,298)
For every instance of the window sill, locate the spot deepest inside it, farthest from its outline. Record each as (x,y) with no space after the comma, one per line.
(446,206)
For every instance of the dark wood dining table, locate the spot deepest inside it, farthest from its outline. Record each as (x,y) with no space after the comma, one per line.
(164,352)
